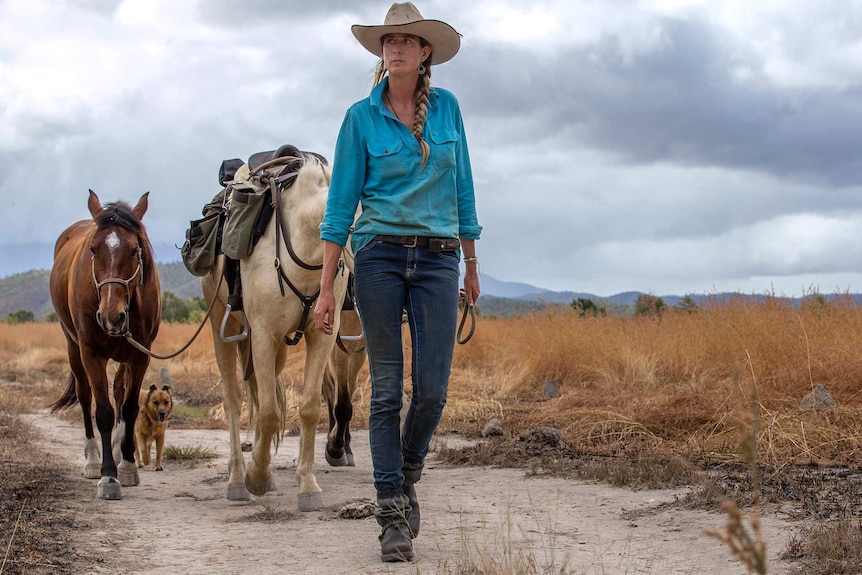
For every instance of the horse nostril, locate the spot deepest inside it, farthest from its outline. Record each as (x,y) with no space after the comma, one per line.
(121,318)
(99,319)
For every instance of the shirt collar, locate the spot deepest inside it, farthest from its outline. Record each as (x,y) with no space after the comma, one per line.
(376,95)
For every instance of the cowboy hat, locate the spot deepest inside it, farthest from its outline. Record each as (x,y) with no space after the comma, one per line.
(405,18)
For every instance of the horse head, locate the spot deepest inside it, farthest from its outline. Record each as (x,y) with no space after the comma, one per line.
(118,249)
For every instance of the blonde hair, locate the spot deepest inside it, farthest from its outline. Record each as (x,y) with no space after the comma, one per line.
(420,99)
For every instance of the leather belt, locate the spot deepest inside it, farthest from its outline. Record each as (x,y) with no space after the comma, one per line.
(433,244)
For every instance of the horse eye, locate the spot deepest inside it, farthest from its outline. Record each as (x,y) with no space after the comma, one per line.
(92,250)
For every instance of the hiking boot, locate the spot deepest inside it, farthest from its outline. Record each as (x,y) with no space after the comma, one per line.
(395,543)
(412,473)
(413,516)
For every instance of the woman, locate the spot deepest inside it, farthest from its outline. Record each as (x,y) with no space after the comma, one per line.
(402,157)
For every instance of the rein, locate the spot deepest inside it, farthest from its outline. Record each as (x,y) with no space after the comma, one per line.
(130,338)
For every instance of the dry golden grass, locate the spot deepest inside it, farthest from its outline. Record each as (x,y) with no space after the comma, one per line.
(674,389)
(626,383)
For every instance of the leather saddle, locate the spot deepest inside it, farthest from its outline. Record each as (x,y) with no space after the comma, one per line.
(259,158)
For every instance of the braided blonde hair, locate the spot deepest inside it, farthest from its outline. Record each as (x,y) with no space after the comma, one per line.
(420,99)
(423,88)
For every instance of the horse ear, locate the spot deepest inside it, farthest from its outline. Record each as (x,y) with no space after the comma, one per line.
(140,209)
(153,387)
(94,204)
(166,388)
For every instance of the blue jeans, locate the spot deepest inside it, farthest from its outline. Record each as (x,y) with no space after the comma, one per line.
(391,278)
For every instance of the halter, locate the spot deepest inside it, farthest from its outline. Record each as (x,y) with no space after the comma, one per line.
(126,282)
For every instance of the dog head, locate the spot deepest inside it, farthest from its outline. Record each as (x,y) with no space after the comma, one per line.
(158,403)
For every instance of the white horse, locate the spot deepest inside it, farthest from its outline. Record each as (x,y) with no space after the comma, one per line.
(278,306)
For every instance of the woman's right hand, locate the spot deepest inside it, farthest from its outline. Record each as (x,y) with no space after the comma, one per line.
(324,311)
(324,308)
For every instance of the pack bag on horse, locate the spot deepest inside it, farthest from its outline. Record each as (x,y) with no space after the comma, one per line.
(279,279)
(105,289)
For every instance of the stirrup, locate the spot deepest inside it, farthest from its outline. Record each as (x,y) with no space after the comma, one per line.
(233,338)
(353,337)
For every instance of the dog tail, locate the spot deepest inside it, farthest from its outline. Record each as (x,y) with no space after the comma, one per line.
(69,397)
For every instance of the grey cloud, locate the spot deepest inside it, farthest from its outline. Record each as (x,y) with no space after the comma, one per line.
(679,103)
(230,13)
(105,8)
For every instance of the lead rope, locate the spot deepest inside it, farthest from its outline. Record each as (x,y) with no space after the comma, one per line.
(130,338)
(471,311)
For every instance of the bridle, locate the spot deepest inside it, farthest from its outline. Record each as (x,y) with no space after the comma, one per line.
(112,280)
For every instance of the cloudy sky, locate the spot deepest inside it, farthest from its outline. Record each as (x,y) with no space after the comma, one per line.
(664,146)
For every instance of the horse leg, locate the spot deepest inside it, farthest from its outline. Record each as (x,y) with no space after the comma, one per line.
(133,377)
(119,388)
(338,391)
(93,463)
(95,366)
(270,414)
(119,398)
(226,355)
(357,360)
(334,451)
(318,350)
(232,392)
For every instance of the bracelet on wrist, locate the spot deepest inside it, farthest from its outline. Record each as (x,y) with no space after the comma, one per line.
(471,260)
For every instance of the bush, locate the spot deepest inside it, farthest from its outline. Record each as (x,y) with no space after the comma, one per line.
(176,310)
(21,316)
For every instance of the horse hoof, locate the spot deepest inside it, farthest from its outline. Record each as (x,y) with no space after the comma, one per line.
(342,461)
(259,490)
(109,488)
(128,475)
(92,471)
(310,501)
(350,460)
(238,493)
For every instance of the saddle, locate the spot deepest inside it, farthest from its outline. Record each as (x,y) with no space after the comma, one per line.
(257,159)
(215,213)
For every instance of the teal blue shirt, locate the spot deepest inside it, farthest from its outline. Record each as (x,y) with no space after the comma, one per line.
(378,164)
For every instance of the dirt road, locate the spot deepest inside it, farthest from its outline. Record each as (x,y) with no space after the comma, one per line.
(179,522)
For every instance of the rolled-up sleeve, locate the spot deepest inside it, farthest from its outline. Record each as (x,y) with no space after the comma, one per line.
(468,222)
(348,178)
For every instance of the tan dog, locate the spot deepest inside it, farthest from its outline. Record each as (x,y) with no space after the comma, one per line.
(156,406)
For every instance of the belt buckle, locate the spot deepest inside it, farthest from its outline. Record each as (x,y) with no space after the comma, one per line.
(413,244)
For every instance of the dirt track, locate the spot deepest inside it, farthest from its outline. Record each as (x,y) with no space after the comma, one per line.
(179,522)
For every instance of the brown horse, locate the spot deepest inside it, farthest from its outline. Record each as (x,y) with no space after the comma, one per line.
(339,385)
(105,288)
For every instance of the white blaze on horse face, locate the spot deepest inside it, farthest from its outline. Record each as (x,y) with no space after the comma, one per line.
(113,242)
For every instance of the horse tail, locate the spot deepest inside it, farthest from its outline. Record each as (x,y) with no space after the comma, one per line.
(69,397)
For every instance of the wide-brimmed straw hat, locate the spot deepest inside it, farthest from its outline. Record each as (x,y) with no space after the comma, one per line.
(405,18)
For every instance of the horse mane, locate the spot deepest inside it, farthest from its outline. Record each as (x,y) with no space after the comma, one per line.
(119,214)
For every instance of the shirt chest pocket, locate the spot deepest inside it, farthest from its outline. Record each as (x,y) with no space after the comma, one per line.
(443,144)
(385,159)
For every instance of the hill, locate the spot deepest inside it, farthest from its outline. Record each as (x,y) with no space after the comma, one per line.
(29,291)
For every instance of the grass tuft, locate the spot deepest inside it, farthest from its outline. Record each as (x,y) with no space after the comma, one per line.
(194,453)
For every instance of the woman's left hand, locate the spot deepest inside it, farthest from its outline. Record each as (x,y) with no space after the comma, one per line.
(470,291)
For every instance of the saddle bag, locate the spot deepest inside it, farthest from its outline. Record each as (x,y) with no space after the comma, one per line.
(248,213)
(201,246)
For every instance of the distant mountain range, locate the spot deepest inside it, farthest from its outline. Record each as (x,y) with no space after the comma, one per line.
(29,290)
